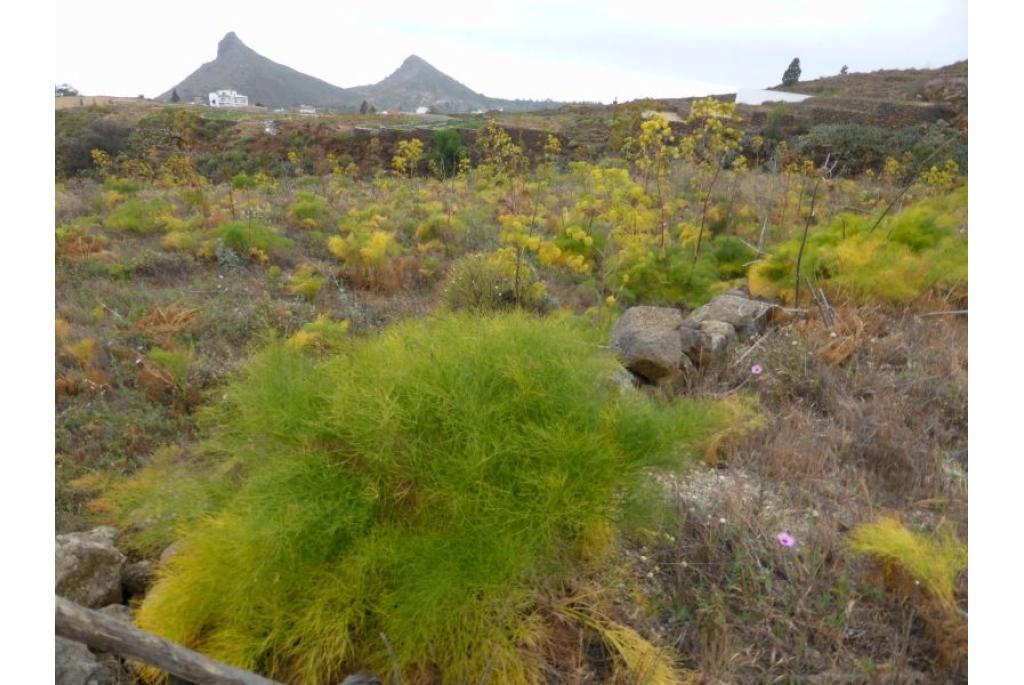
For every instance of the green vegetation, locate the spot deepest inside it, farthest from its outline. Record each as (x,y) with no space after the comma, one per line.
(921,249)
(932,560)
(137,216)
(426,449)
(430,484)
(243,236)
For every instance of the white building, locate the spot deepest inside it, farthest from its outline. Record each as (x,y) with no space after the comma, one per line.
(307,109)
(422,110)
(228,98)
(754,96)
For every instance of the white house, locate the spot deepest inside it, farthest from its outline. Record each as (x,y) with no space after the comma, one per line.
(228,98)
(422,110)
(753,96)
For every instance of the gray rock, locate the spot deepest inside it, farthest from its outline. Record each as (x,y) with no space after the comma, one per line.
(747,316)
(118,611)
(719,336)
(88,567)
(76,665)
(169,551)
(694,341)
(623,379)
(136,578)
(646,341)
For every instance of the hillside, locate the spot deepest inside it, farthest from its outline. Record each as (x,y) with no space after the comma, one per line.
(414,84)
(241,68)
(944,84)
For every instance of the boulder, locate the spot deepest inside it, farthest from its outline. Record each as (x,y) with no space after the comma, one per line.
(693,341)
(719,336)
(76,665)
(88,567)
(623,379)
(746,316)
(647,341)
(136,578)
(118,611)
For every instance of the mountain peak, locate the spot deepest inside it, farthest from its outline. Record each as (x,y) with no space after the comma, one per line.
(230,41)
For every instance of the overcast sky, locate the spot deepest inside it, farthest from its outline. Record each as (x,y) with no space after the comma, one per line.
(560,49)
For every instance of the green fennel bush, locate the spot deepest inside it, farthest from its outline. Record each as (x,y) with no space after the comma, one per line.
(243,236)
(433,484)
(138,216)
(909,254)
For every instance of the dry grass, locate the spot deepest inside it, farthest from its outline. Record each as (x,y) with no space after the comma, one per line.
(863,418)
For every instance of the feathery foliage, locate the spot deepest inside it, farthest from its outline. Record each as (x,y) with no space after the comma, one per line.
(430,484)
(908,254)
(933,560)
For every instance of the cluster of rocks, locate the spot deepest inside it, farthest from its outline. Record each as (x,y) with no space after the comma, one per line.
(662,345)
(90,570)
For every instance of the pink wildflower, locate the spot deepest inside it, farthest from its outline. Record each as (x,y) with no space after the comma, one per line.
(785,539)
(757,369)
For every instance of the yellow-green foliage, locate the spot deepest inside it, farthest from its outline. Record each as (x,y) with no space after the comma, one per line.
(429,484)
(177,362)
(138,216)
(322,335)
(306,281)
(83,351)
(641,661)
(243,236)
(309,211)
(919,249)
(933,560)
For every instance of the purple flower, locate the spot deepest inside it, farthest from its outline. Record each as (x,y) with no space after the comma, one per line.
(785,539)
(757,369)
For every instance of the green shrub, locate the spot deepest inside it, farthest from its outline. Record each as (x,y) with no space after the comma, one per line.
(243,236)
(138,216)
(483,283)
(309,211)
(433,484)
(911,253)
(670,276)
(124,186)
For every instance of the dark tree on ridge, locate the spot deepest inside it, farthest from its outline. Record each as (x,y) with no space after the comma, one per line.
(792,75)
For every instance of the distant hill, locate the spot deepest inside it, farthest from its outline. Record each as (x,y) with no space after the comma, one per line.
(239,67)
(944,84)
(414,84)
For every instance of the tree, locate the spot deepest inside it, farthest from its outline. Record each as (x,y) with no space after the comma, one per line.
(792,75)
(65,90)
(364,107)
(842,72)
(174,96)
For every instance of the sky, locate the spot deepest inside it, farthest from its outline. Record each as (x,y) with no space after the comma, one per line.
(568,50)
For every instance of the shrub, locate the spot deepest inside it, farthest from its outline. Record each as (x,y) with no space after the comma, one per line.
(907,255)
(932,560)
(486,283)
(244,236)
(309,211)
(138,216)
(306,281)
(429,485)
(322,335)
(669,275)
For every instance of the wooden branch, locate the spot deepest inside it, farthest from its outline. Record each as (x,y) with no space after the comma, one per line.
(113,635)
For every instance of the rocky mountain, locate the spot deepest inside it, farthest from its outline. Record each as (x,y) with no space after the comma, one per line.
(239,67)
(414,84)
